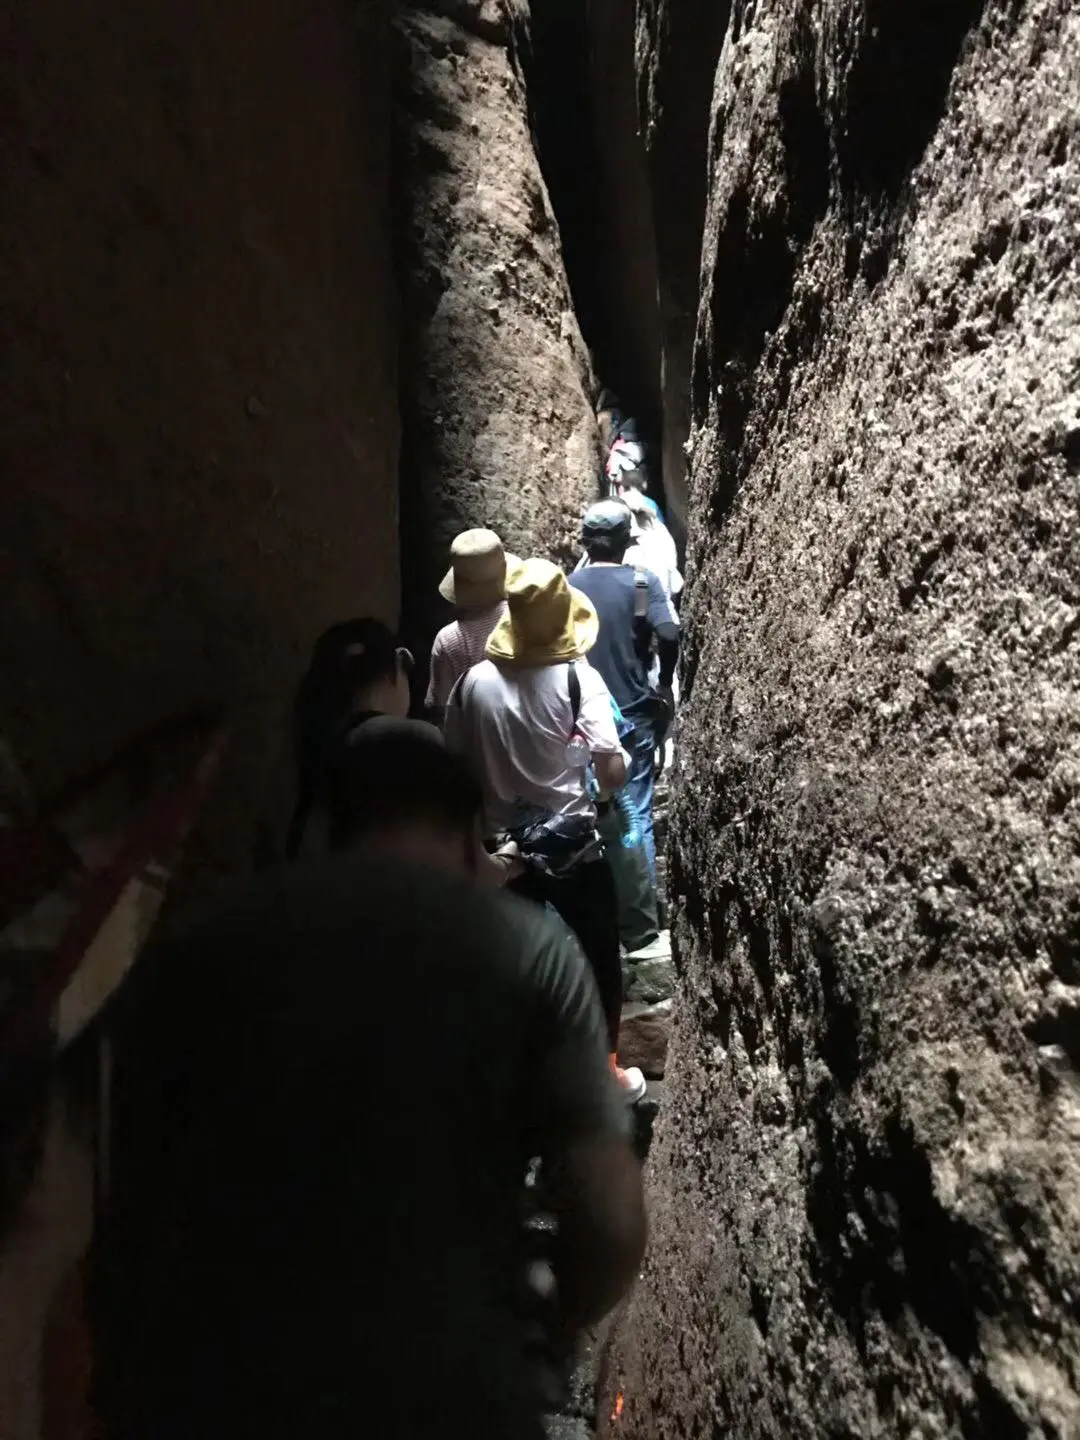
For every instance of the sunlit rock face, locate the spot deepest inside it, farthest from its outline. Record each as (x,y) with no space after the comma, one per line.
(497,420)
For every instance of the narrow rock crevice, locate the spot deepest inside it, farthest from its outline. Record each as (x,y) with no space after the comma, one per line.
(495,395)
(826,251)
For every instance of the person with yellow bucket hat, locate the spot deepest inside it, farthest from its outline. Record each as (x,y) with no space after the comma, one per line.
(535,719)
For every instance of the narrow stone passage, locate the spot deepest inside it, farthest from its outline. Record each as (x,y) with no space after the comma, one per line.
(643,1041)
(293,294)
(846,227)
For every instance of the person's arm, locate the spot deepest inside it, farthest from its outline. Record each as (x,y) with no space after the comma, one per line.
(598,1198)
(498,868)
(440,682)
(583,1134)
(664,624)
(453,727)
(668,653)
(596,726)
(611,771)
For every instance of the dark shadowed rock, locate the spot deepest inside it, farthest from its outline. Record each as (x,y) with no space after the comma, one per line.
(643,1037)
(198,417)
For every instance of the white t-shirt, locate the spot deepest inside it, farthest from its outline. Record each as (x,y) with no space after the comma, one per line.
(515,724)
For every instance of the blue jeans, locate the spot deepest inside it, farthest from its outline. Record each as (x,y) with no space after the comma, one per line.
(639,786)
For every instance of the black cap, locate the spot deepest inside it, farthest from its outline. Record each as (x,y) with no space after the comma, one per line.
(607,519)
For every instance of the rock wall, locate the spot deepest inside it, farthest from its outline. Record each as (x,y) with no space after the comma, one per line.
(676,50)
(626,245)
(864,1204)
(197,407)
(198,443)
(497,423)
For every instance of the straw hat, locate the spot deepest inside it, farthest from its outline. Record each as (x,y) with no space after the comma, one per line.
(477,575)
(547,622)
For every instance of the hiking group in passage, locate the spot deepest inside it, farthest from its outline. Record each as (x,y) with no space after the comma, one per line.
(328,1096)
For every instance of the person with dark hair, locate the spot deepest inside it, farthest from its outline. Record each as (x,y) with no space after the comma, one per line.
(326,1098)
(634,616)
(357,671)
(395,779)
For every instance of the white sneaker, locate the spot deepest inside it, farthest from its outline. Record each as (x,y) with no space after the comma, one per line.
(633,1084)
(658,949)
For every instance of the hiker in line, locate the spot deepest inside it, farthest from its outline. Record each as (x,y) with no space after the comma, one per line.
(652,545)
(534,719)
(475,585)
(358,680)
(326,1098)
(357,671)
(635,892)
(625,459)
(633,615)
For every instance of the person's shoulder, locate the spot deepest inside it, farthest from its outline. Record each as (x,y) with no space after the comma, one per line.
(394,903)
(592,682)
(484,679)
(602,582)
(538,938)
(443,637)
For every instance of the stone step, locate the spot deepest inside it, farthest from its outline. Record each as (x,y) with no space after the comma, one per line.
(567,1427)
(647,981)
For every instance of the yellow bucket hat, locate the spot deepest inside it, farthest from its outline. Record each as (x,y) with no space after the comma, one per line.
(548,622)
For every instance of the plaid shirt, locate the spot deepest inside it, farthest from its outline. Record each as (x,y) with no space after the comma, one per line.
(458,647)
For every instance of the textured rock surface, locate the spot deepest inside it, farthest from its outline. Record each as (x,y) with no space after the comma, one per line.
(197,409)
(498,427)
(649,980)
(864,1192)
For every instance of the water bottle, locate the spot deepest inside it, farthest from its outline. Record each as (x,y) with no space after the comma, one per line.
(578,754)
(629,830)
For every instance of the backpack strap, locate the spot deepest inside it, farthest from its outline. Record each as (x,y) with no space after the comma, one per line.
(573,684)
(456,700)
